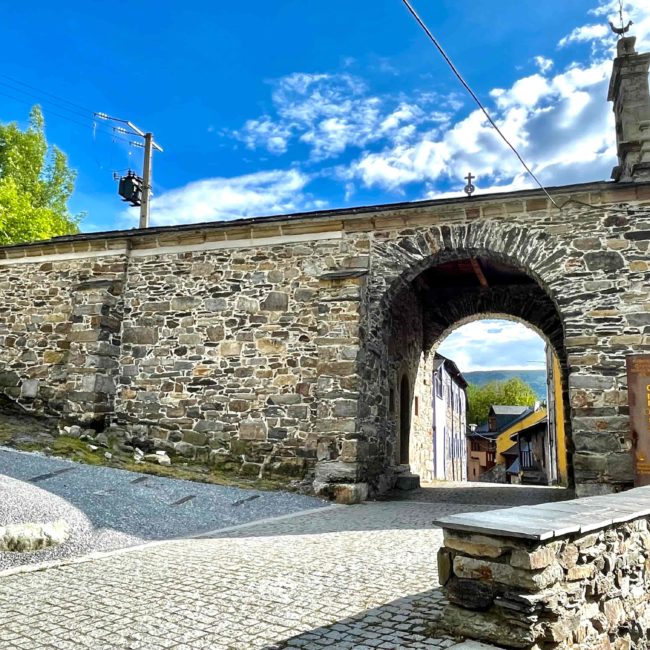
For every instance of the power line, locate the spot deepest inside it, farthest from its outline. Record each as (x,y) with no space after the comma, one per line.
(49,112)
(475,98)
(52,99)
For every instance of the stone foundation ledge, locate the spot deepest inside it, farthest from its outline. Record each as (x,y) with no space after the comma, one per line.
(574,574)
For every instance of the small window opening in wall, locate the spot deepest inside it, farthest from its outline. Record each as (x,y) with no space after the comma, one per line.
(416,405)
(391,401)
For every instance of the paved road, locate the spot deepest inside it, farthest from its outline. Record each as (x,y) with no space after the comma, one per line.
(345,577)
(111,508)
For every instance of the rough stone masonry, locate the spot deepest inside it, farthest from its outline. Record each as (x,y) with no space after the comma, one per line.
(551,576)
(279,345)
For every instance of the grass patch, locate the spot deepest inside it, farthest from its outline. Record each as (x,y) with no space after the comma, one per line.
(75,449)
(182,468)
(214,477)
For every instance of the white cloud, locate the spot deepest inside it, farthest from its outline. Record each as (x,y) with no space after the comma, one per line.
(560,123)
(492,344)
(584,34)
(224,199)
(332,112)
(558,118)
(543,63)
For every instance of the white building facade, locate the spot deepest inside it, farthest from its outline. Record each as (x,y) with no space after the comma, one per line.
(449,421)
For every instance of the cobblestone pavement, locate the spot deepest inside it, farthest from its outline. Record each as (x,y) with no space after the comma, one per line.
(346,577)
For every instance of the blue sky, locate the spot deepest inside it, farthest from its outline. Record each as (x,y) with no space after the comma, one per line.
(495,344)
(273,107)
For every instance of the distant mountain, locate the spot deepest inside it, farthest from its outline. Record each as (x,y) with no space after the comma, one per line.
(536,378)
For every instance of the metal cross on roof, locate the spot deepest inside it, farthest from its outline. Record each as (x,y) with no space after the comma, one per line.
(469,188)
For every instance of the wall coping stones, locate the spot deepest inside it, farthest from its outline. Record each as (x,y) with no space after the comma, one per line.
(277,229)
(550,520)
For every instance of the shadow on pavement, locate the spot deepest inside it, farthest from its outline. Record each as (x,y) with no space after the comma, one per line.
(408,622)
(498,495)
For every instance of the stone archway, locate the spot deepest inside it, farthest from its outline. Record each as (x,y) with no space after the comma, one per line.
(421,290)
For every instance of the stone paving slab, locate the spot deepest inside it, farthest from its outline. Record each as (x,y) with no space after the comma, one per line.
(352,577)
(356,577)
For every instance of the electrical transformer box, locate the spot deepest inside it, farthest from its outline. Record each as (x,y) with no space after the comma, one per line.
(130,188)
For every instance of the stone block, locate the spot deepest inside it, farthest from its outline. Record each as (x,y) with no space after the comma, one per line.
(185,303)
(253,430)
(285,398)
(581,572)
(345,408)
(349,493)
(292,467)
(53,356)
(620,467)
(470,594)
(249,305)
(476,545)
(140,335)
(216,304)
(215,333)
(594,382)
(185,449)
(83,336)
(276,301)
(606,261)
(407,482)
(9,378)
(337,472)
(477,569)
(195,437)
(353,451)
(230,348)
(104,384)
(270,346)
(29,388)
(190,339)
(445,565)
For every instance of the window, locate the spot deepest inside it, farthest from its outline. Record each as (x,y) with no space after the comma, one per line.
(416,405)
(437,382)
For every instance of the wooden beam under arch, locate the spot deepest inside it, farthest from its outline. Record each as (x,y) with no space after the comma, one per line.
(479,272)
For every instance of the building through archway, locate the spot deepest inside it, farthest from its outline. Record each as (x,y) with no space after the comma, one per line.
(426,303)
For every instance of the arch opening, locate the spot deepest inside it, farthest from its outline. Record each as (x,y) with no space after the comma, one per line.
(420,310)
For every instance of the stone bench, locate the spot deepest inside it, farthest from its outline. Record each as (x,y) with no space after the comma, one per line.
(573,574)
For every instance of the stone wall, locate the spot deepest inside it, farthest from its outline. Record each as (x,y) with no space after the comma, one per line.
(274,345)
(590,299)
(422,442)
(59,332)
(564,575)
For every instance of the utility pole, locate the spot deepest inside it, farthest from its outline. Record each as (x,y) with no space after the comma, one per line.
(143,198)
(146,185)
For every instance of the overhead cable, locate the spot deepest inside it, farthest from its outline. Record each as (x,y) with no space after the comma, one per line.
(465,85)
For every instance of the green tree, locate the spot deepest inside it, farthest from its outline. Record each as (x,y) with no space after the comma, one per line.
(513,392)
(35,185)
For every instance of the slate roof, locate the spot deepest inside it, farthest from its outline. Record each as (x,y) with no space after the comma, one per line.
(507,415)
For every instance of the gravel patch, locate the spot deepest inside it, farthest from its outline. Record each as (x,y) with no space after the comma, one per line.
(109,508)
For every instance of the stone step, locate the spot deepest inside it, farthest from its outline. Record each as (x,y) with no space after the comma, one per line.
(408,482)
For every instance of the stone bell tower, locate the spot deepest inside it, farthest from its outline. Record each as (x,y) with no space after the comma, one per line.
(628,89)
